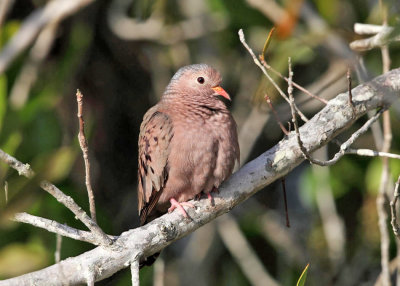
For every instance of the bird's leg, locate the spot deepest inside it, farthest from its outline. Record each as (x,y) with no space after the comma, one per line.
(210,197)
(177,205)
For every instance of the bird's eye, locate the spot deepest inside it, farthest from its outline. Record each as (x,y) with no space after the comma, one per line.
(200,79)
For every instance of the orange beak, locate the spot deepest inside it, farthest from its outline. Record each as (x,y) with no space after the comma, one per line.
(222,92)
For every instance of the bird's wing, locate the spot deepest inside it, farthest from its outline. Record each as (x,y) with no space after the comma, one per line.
(154,144)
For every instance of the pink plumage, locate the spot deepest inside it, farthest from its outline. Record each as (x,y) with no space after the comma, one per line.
(187,143)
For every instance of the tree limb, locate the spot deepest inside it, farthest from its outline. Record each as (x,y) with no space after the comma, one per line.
(262,171)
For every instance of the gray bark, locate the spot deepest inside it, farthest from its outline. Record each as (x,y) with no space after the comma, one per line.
(275,163)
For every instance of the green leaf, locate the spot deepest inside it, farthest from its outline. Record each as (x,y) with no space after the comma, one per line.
(303,276)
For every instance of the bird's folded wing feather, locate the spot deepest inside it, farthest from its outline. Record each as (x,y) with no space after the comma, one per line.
(154,145)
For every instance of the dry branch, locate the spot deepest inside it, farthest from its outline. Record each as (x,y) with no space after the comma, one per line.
(85,150)
(393,204)
(57,253)
(259,64)
(56,227)
(23,169)
(67,201)
(262,171)
(381,37)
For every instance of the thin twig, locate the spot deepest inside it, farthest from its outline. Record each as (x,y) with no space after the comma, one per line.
(56,227)
(285,202)
(257,62)
(382,223)
(299,87)
(6,190)
(135,272)
(275,114)
(23,169)
(85,151)
(381,37)
(343,147)
(68,202)
(367,29)
(351,103)
(255,175)
(393,203)
(382,198)
(371,153)
(57,253)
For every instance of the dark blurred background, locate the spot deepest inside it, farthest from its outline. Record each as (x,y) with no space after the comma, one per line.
(121,54)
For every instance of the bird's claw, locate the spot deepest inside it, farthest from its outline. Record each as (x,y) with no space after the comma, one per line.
(177,205)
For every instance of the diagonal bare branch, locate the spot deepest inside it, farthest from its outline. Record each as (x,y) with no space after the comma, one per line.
(67,201)
(252,177)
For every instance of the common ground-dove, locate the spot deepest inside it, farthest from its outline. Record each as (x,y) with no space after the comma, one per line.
(187,144)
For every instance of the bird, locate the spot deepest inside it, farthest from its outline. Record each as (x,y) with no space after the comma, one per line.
(188,143)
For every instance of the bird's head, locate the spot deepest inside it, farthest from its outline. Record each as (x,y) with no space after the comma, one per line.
(200,81)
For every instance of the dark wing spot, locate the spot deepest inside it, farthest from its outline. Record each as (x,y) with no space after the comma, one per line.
(147,144)
(144,167)
(155,139)
(152,170)
(148,157)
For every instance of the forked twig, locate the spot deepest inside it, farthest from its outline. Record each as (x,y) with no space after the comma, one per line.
(56,227)
(68,202)
(258,63)
(343,147)
(299,87)
(24,169)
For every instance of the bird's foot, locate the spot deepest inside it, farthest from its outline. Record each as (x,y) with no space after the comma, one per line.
(177,205)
